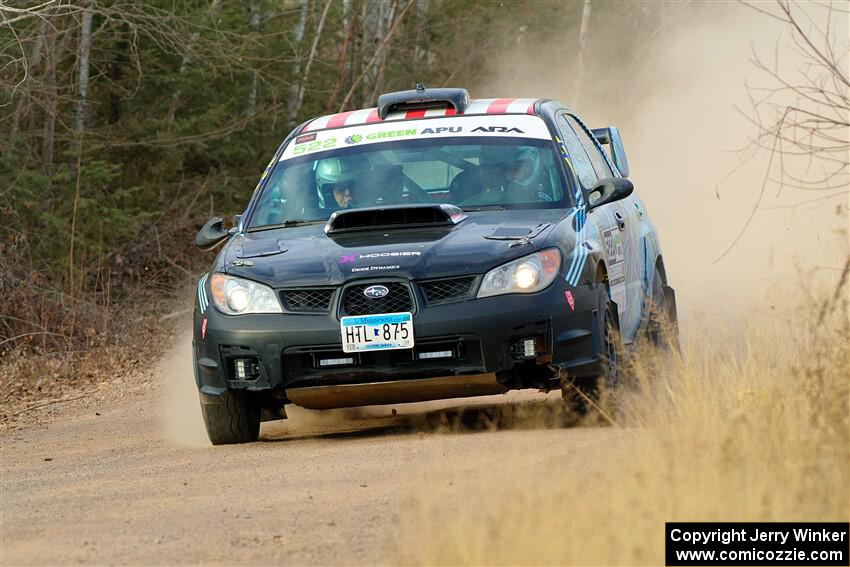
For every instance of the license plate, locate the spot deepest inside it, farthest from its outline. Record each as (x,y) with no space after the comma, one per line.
(387,331)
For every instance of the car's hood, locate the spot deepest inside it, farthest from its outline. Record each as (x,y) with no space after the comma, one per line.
(305,255)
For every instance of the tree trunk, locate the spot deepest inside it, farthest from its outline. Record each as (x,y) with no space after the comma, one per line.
(342,62)
(256,13)
(49,140)
(582,49)
(84,60)
(298,39)
(388,19)
(420,45)
(32,64)
(299,99)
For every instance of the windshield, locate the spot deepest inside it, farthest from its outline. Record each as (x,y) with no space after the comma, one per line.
(471,171)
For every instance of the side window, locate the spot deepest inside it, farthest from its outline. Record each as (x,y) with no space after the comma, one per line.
(581,163)
(600,165)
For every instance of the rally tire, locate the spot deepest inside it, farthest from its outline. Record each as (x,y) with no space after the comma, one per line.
(233,418)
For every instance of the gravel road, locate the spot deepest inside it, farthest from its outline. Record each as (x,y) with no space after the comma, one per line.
(130,478)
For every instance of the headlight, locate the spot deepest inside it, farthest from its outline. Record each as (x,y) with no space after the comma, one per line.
(235,296)
(524,275)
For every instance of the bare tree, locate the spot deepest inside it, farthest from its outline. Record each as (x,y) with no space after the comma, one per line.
(582,48)
(805,112)
(84,60)
(802,117)
(299,99)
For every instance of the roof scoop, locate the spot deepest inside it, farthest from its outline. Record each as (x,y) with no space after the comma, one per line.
(421,99)
(397,216)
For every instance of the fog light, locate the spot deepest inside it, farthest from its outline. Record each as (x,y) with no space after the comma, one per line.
(436,354)
(246,369)
(335,361)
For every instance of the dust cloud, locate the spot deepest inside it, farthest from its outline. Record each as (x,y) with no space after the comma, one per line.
(180,416)
(679,110)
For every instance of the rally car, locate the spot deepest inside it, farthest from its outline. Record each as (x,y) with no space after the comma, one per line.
(432,247)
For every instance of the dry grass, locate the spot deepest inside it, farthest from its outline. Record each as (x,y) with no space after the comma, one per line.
(746,429)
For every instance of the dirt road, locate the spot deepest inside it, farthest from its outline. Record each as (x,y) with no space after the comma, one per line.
(131,479)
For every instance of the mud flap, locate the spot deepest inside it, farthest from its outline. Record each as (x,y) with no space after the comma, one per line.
(670,304)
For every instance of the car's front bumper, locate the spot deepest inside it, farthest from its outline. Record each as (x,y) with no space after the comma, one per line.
(485,337)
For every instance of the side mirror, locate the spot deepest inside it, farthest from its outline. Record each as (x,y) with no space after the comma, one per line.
(608,191)
(237,223)
(211,234)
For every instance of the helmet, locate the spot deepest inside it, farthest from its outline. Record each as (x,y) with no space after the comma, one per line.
(497,157)
(531,155)
(337,171)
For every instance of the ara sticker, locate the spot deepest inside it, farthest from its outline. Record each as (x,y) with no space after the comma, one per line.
(570,300)
(204,328)
(305,138)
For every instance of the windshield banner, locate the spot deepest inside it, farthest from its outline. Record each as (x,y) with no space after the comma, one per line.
(509,125)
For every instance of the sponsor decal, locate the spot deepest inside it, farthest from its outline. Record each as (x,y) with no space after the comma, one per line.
(441,129)
(613,246)
(500,129)
(616,254)
(638,210)
(392,134)
(314,146)
(389,254)
(204,328)
(376,291)
(341,132)
(353,258)
(570,300)
(374,268)
(305,138)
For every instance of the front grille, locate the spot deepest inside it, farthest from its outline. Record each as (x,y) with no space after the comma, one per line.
(313,300)
(398,300)
(448,290)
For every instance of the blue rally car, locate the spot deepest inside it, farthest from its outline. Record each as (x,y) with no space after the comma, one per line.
(432,247)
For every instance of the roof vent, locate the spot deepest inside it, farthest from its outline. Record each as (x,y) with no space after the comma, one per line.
(423,98)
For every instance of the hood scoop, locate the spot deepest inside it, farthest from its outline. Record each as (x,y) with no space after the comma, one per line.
(257,248)
(393,217)
(517,232)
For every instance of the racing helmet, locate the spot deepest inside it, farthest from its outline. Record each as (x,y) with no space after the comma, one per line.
(335,172)
(497,157)
(531,156)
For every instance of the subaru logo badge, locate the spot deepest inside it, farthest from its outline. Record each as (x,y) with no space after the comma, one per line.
(375,291)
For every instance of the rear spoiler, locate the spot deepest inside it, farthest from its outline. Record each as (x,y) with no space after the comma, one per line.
(610,136)
(396,216)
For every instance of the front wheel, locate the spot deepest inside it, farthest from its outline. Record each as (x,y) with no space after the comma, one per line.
(585,395)
(233,417)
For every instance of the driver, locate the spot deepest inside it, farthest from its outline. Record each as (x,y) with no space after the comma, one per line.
(504,173)
(335,180)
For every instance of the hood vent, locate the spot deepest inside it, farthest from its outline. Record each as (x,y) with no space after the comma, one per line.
(401,216)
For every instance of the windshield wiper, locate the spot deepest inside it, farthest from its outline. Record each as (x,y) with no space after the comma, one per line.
(483,208)
(284,224)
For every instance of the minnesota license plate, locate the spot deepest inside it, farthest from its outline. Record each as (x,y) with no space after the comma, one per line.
(377,332)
